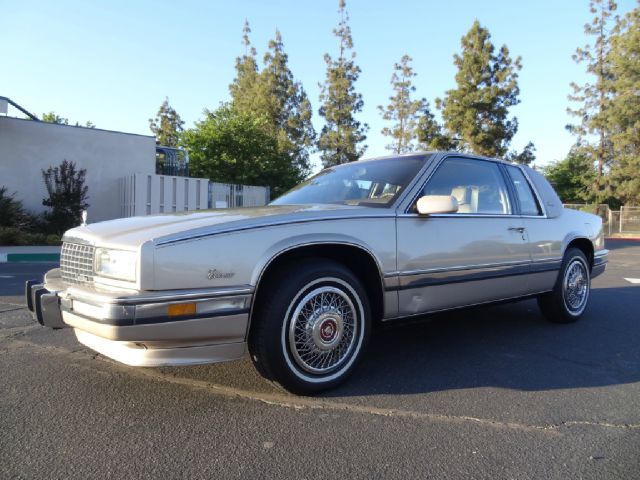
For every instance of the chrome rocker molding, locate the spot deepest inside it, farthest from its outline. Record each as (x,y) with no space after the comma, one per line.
(419,279)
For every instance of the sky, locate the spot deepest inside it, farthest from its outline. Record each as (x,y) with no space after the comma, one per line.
(113,62)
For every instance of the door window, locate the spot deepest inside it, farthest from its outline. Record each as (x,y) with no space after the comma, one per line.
(477,185)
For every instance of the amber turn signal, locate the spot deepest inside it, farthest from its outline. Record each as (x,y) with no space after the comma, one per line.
(177,309)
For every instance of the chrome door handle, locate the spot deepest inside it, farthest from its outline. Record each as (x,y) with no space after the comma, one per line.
(517,229)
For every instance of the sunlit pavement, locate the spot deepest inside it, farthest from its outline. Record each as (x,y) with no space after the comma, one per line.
(492,392)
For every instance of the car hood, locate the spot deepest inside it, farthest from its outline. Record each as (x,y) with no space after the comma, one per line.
(134,231)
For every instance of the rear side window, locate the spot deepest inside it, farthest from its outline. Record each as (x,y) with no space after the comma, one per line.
(528,203)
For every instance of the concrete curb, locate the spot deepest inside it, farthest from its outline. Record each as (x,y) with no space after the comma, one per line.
(623,239)
(29,254)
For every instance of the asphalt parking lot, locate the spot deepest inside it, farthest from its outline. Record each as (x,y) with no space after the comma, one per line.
(493,392)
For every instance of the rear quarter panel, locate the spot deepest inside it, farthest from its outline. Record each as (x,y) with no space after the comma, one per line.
(549,239)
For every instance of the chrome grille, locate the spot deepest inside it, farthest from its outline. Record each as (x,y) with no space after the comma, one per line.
(76,263)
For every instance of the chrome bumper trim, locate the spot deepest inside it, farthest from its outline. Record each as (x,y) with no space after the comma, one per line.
(136,298)
(193,331)
(220,316)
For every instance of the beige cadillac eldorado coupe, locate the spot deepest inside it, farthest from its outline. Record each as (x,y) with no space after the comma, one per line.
(300,283)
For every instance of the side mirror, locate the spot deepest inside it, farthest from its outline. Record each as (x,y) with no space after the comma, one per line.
(430,204)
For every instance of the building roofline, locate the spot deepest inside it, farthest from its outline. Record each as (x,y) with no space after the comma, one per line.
(40,122)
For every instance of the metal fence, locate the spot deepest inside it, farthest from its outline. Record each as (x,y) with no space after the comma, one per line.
(629,219)
(143,194)
(226,195)
(626,220)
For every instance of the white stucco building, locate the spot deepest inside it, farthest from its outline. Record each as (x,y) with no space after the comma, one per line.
(121,172)
(27,147)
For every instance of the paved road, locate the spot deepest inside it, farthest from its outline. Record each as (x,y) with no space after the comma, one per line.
(486,393)
(13,276)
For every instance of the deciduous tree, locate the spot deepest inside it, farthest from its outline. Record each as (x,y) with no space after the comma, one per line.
(572,177)
(235,146)
(53,117)
(68,195)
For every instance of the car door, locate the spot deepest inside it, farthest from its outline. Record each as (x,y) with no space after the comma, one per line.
(475,255)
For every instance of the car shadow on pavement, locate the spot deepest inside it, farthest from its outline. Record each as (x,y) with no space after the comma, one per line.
(506,346)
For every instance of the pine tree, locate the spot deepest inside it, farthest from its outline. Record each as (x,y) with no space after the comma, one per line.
(342,134)
(286,104)
(526,157)
(244,87)
(593,99)
(477,111)
(167,125)
(431,135)
(624,110)
(402,110)
(274,95)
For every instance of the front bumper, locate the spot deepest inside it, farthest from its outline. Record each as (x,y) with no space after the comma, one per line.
(600,260)
(137,328)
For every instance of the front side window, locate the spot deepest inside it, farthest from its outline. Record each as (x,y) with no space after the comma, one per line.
(528,203)
(477,185)
(372,183)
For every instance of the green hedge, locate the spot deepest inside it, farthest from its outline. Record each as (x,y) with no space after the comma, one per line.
(11,236)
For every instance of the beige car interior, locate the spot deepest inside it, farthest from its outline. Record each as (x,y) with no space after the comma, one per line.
(474,199)
(467,198)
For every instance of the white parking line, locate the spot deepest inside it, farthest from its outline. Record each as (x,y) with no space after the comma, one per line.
(633,280)
(7,276)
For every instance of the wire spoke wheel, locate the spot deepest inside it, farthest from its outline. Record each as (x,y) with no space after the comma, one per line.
(323,330)
(575,286)
(311,327)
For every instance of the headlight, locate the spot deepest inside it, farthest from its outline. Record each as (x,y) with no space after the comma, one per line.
(117,264)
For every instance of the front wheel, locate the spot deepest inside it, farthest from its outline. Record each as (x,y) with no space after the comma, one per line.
(312,326)
(568,300)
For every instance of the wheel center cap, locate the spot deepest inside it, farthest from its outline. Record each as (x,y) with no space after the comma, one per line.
(328,330)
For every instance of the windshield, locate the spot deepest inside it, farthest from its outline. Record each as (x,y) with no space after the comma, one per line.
(372,183)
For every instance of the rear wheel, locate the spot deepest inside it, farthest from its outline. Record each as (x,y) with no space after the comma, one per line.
(568,300)
(312,326)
